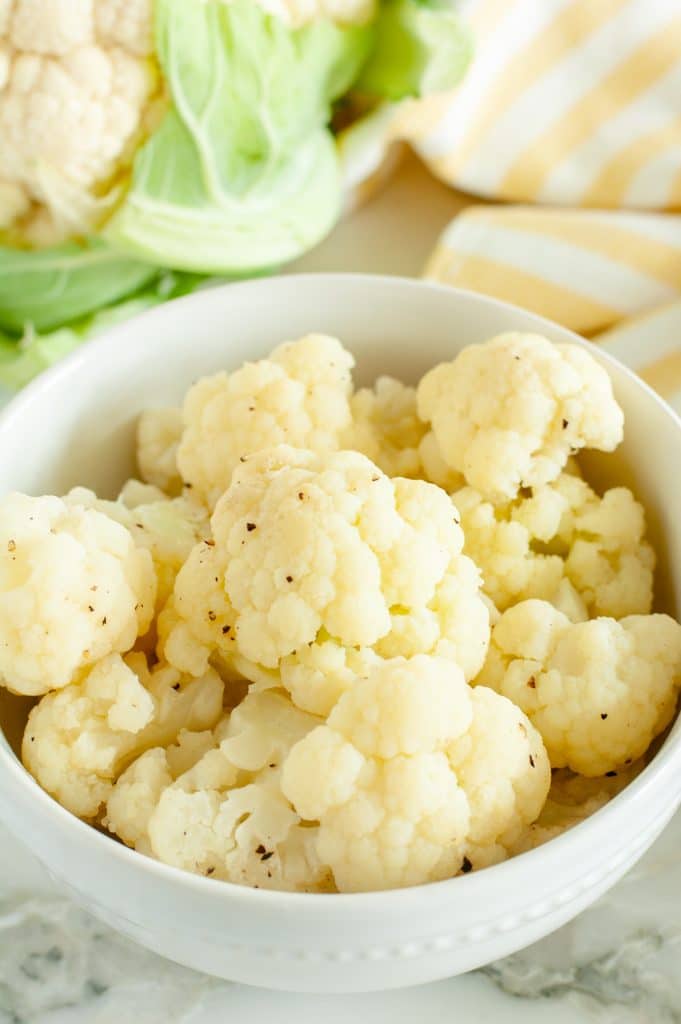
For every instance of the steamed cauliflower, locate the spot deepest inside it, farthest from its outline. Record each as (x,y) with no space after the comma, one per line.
(562,540)
(319,566)
(78,740)
(299,395)
(167,528)
(77,95)
(599,692)
(225,816)
(158,437)
(386,428)
(508,413)
(73,589)
(414,775)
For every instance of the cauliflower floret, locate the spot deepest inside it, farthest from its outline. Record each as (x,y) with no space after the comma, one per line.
(73,589)
(138,789)
(299,395)
(386,428)
(402,781)
(78,740)
(562,543)
(74,103)
(135,492)
(225,816)
(434,467)
(598,692)
(315,556)
(571,800)
(508,413)
(158,437)
(167,528)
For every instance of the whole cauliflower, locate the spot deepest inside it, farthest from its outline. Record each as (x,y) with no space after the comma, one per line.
(599,692)
(225,816)
(299,395)
(79,739)
(415,775)
(320,566)
(562,539)
(508,413)
(77,94)
(74,588)
(386,428)
(158,436)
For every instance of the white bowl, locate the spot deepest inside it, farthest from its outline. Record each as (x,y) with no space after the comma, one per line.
(75,426)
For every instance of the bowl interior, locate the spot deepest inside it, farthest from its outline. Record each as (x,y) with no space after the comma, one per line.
(75,425)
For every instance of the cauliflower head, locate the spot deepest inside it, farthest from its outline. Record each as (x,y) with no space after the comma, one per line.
(386,428)
(74,588)
(299,395)
(79,739)
(412,772)
(558,541)
(225,815)
(320,565)
(158,437)
(599,692)
(78,92)
(508,413)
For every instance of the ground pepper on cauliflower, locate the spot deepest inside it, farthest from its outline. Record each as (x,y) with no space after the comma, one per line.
(73,589)
(508,413)
(320,565)
(599,692)
(415,777)
(299,395)
(562,541)
(225,816)
(79,739)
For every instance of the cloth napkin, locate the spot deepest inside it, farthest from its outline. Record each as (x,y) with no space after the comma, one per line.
(568,129)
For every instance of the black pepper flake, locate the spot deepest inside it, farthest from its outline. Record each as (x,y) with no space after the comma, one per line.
(184,833)
(93,588)
(104,620)
(250,527)
(300,495)
(526,492)
(273,765)
(176,687)
(209,871)
(266,856)
(610,775)
(90,608)
(260,849)
(289,579)
(139,526)
(209,543)
(11,545)
(242,458)
(32,738)
(532,683)
(517,357)
(603,715)
(628,761)
(212,616)
(466,866)
(531,761)
(225,630)
(375,479)
(188,486)
(566,424)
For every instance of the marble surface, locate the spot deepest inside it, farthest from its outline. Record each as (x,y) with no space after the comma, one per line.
(618,963)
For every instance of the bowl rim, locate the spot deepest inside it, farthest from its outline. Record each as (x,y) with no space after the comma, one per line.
(660,768)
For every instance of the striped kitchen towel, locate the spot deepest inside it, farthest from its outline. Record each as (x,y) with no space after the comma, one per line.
(568,127)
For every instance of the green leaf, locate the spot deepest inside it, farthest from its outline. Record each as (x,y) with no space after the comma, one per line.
(50,287)
(421,47)
(22,360)
(242,173)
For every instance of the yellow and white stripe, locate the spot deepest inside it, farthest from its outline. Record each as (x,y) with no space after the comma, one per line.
(567,101)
